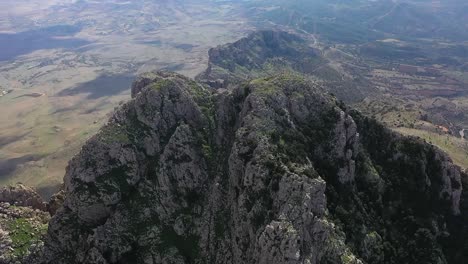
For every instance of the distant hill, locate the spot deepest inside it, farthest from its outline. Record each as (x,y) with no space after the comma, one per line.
(266,53)
(261,53)
(360,21)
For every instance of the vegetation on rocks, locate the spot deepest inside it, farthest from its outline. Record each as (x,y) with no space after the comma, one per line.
(22,227)
(23,235)
(272,171)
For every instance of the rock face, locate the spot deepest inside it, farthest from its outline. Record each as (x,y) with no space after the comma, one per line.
(55,202)
(271,171)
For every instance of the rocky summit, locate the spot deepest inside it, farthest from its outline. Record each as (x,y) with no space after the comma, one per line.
(272,170)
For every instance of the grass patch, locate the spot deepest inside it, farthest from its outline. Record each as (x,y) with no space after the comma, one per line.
(456,148)
(114,133)
(23,235)
(160,84)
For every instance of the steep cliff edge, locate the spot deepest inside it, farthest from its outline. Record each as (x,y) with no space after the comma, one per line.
(271,171)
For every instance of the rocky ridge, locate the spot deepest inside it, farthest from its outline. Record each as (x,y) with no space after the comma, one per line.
(22,195)
(273,170)
(268,52)
(262,52)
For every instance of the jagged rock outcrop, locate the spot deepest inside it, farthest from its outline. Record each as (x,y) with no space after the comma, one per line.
(272,171)
(22,195)
(55,202)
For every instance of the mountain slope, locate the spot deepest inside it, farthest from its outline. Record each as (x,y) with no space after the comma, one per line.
(361,21)
(260,53)
(272,171)
(266,53)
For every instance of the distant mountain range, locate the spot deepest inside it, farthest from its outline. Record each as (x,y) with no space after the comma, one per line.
(359,21)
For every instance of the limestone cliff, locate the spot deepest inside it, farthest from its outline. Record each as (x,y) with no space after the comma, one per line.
(273,170)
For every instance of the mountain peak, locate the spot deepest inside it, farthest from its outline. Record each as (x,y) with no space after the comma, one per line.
(271,171)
